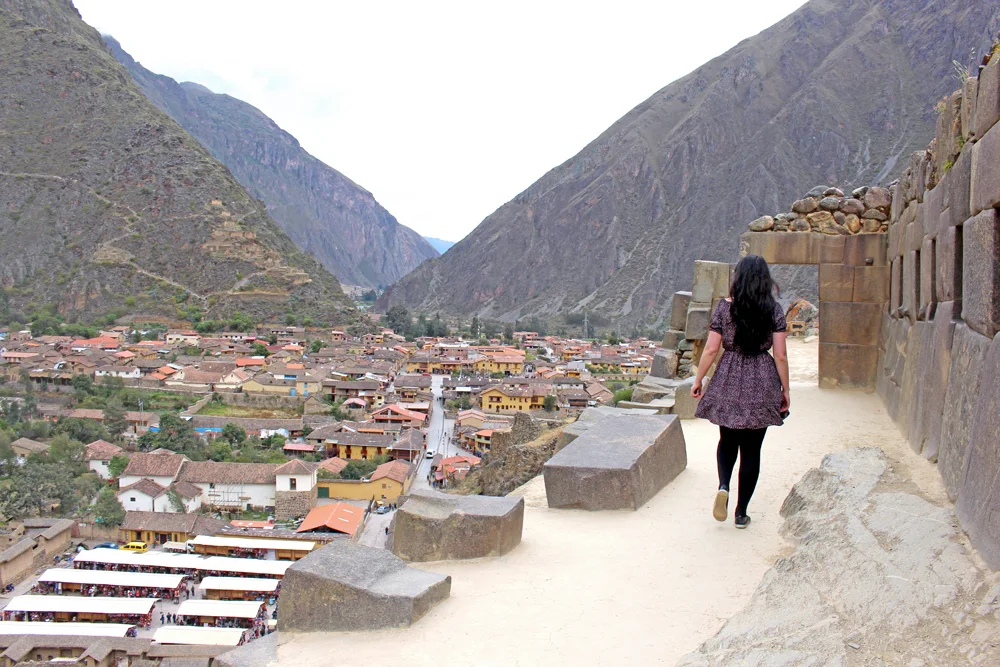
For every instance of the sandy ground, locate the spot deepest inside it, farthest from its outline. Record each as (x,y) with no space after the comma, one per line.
(617,588)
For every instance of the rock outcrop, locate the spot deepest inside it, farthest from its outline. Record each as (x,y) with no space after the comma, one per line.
(614,229)
(258,653)
(440,526)
(617,463)
(878,576)
(324,212)
(345,586)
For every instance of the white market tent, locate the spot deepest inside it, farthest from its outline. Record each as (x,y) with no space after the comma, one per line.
(71,629)
(81,605)
(200,636)
(151,559)
(247,584)
(220,608)
(251,543)
(110,578)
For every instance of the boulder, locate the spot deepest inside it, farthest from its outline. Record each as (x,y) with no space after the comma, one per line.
(665,362)
(875,214)
(762,224)
(439,526)
(345,586)
(800,226)
(868,226)
(978,503)
(678,310)
(820,218)
(877,197)
(829,203)
(616,464)
(833,192)
(855,206)
(684,405)
(807,205)
(968,352)
(699,316)
(859,193)
(818,191)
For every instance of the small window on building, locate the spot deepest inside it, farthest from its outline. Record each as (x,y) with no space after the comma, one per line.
(131,500)
(211,485)
(291,484)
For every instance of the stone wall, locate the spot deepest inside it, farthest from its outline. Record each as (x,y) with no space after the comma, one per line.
(293,504)
(939,358)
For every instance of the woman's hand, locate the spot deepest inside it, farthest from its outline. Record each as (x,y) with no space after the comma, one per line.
(786,400)
(696,390)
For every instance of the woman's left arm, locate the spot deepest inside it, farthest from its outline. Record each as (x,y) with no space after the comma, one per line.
(781,361)
(708,356)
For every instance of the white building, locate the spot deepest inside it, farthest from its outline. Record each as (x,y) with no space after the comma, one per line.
(295,475)
(125,372)
(232,485)
(99,454)
(148,496)
(160,467)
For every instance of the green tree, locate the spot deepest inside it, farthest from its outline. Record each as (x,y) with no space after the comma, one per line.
(623,395)
(316,346)
(37,483)
(474,328)
(82,384)
(176,502)
(221,450)
(358,469)
(259,349)
(550,403)
(108,510)
(112,385)
(8,459)
(64,449)
(508,332)
(233,434)
(175,434)
(114,418)
(274,441)
(397,319)
(84,430)
(117,465)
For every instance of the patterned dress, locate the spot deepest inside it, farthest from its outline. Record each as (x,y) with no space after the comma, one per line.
(745,392)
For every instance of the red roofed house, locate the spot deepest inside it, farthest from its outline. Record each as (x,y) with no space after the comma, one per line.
(334,518)
(98,454)
(396,414)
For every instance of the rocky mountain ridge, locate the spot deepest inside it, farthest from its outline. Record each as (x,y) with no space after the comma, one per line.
(110,206)
(324,212)
(825,96)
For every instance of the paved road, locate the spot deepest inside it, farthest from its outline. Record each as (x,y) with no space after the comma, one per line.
(374,534)
(438,435)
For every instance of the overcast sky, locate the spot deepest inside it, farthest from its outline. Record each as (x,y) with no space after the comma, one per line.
(444,111)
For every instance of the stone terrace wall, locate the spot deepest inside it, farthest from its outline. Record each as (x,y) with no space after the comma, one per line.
(939,359)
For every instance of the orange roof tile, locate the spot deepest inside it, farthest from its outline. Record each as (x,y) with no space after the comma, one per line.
(339,517)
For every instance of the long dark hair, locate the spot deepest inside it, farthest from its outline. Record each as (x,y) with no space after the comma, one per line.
(753,304)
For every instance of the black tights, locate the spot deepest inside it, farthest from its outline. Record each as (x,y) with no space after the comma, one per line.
(746,443)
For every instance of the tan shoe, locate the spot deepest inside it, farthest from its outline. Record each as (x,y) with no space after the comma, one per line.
(721,505)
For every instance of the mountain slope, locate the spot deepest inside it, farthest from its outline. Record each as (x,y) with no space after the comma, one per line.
(439,244)
(109,205)
(323,211)
(825,96)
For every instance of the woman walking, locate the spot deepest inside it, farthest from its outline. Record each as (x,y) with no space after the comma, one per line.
(749,390)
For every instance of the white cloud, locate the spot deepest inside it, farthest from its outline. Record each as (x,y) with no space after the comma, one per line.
(443,110)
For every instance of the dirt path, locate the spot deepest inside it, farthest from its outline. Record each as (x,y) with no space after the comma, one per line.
(617,588)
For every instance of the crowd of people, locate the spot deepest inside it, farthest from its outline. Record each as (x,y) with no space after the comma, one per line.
(112,591)
(144,620)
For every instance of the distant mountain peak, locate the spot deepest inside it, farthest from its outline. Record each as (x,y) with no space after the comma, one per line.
(439,244)
(328,215)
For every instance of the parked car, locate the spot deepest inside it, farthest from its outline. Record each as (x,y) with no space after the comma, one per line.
(107,545)
(138,547)
(382,509)
(429,454)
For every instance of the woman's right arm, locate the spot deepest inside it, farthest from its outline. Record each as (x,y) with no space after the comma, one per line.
(708,356)
(781,361)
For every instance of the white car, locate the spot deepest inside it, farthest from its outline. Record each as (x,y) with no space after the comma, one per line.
(429,454)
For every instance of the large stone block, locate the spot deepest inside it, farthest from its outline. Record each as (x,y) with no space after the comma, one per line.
(968,105)
(699,316)
(258,653)
(866,250)
(930,210)
(933,378)
(978,506)
(896,230)
(665,362)
(439,526)
(678,310)
(981,272)
(831,249)
(672,339)
(836,282)
(968,353)
(948,131)
(847,366)
(985,189)
(918,350)
(987,111)
(345,586)
(871,283)
(948,264)
(896,287)
(925,309)
(852,323)
(711,281)
(684,404)
(788,248)
(911,284)
(616,464)
(957,196)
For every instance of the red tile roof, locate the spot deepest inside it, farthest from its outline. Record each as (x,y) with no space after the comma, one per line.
(397,470)
(339,517)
